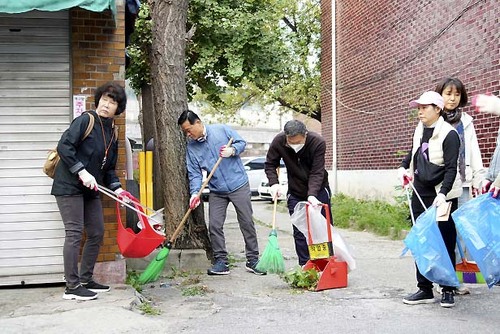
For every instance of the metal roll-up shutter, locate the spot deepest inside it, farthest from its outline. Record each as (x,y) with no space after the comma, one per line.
(35,104)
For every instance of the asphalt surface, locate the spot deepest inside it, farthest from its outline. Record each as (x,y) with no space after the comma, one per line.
(245,303)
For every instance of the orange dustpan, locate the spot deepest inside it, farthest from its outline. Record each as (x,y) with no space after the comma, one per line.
(467,271)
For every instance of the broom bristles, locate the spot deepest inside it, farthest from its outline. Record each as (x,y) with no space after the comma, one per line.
(155,268)
(272,260)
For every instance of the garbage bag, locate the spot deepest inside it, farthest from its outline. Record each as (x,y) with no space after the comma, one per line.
(319,232)
(478,222)
(429,251)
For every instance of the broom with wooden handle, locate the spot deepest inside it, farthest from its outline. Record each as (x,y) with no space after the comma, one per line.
(272,260)
(155,267)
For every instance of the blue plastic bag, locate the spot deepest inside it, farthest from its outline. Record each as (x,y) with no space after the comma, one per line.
(478,222)
(427,247)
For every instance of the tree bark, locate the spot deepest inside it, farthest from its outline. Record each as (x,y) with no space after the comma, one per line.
(170,99)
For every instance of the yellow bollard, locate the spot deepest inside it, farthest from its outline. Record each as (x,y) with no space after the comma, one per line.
(142,177)
(149,179)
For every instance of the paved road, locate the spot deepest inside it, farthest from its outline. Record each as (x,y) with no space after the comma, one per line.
(244,303)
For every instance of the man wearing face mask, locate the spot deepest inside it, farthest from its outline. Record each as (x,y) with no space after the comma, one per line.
(304,155)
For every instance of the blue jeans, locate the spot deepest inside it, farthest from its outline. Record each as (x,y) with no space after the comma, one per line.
(79,214)
(301,248)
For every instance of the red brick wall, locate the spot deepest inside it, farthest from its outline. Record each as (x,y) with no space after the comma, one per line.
(326,78)
(388,53)
(98,56)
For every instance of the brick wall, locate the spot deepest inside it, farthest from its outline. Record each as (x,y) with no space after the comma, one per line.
(98,56)
(388,53)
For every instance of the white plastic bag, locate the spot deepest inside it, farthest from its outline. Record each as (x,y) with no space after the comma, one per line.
(319,232)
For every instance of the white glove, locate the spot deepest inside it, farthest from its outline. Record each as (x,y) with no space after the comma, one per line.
(495,187)
(403,176)
(275,191)
(123,195)
(313,201)
(87,179)
(194,201)
(439,200)
(485,186)
(487,103)
(227,151)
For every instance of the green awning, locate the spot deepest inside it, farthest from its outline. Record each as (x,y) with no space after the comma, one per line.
(21,6)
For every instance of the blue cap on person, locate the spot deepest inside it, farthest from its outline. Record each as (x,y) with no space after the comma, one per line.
(429,97)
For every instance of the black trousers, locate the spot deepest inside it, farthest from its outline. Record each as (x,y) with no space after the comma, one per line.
(448,232)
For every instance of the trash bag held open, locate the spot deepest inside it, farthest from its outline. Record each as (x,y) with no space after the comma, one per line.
(427,247)
(318,232)
(478,222)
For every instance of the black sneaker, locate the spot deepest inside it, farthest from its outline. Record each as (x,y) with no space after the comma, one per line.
(251,266)
(419,297)
(447,299)
(79,293)
(219,268)
(96,287)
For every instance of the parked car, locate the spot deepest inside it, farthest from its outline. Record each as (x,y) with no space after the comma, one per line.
(265,189)
(254,167)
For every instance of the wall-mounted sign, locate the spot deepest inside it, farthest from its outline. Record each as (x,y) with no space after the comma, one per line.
(78,105)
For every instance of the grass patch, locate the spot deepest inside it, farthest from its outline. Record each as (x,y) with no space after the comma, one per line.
(375,216)
(181,273)
(192,280)
(149,309)
(232,260)
(300,279)
(196,290)
(133,280)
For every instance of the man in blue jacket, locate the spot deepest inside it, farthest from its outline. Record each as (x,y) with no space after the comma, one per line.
(229,183)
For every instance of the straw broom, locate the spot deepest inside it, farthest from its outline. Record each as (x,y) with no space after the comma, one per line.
(272,260)
(155,268)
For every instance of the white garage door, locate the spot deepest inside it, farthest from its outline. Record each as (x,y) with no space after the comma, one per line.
(35,109)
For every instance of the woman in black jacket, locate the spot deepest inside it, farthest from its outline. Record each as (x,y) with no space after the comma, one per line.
(84,163)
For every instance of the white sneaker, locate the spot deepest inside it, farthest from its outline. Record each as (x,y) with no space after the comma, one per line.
(461,290)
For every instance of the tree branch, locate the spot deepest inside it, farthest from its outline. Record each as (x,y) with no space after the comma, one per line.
(290,24)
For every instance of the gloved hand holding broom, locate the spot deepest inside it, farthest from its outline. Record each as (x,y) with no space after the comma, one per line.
(194,201)
(275,191)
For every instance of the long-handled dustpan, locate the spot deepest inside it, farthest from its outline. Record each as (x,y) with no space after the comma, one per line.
(131,244)
(155,267)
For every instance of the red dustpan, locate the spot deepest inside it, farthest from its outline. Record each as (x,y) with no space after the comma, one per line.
(141,244)
(131,244)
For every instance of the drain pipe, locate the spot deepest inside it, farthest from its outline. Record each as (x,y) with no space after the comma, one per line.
(334,185)
(129,169)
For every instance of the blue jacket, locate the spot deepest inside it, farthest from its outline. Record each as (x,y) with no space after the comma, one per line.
(230,175)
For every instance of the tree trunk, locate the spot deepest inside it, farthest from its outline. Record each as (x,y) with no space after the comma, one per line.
(170,99)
